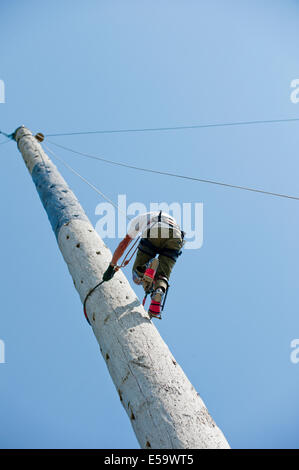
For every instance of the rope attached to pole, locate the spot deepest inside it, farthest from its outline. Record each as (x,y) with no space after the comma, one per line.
(176,128)
(177,175)
(8,137)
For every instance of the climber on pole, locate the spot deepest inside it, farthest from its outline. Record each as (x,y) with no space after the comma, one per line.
(159,235)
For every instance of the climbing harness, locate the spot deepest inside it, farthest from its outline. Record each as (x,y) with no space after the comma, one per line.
(148,248)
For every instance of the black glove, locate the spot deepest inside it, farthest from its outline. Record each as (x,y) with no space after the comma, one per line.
(109,273)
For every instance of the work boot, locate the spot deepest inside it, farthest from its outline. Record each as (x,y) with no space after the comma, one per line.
(155,306)
(149,275)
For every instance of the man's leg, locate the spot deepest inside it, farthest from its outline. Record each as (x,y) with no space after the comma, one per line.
(166,263)
(140,266)
(164,270)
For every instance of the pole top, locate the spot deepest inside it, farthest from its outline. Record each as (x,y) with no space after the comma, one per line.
(22,131)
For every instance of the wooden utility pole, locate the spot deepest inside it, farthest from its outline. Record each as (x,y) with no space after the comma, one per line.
(164,409)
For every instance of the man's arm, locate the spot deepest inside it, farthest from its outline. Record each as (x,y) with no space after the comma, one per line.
(110,271)
(120,250)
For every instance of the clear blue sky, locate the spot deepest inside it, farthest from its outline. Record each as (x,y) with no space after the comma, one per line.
(233,306)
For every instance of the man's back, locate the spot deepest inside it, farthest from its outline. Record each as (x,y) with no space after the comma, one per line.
(149,223)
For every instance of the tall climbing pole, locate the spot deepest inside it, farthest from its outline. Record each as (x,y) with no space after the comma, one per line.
(164,409)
